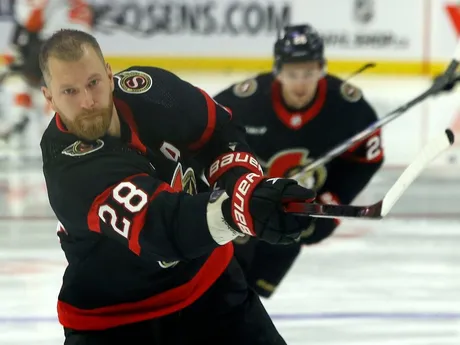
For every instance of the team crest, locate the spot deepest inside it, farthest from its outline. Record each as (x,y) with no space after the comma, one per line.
(184,181)
(288,163)
(80,148)
(181,182)
(246,88)
(350,93)
(134,81)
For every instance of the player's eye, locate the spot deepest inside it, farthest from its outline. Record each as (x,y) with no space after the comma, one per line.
(287,76)
(69,91)
(93,82)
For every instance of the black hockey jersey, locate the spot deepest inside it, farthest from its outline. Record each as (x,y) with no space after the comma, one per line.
(136,240)
(285,140)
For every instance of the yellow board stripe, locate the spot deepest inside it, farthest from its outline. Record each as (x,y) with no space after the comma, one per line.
(406,68)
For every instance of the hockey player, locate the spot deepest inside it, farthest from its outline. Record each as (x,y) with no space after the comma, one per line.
(150,260)
(34,21)
(292,116)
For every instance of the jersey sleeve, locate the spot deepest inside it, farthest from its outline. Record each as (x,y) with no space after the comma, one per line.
(197,123)
(243,98)
(227,98)
(174,110)
(349,173)
(108,195)
(226,144)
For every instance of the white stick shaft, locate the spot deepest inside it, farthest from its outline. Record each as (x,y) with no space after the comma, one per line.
(423,158)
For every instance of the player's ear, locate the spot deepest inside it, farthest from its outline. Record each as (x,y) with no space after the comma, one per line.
(49,98)
(110,74)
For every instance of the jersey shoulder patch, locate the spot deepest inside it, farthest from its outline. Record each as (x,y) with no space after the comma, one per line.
(80,148)
(350,92)
(246,88)
(134,81)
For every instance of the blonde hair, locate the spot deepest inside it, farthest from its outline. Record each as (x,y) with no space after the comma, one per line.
(66,45)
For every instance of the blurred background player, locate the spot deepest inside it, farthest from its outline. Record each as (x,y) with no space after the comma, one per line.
(291,116)
(34,22)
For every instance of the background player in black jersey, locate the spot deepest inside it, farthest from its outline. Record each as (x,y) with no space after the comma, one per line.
(150,259)
(291,116)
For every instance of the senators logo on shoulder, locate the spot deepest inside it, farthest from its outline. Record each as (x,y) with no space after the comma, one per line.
(134,81)
(246,88)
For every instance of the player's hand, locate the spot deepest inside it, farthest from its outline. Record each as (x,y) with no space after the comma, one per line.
(449,86)
(256,208)
(320,228)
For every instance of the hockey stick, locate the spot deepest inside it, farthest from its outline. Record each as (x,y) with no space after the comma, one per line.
(360,70)
(437,86)
(381,208)
(452,83)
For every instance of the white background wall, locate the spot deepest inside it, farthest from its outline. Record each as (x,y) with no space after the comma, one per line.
(357,29)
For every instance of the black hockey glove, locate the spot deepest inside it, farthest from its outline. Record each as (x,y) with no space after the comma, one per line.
(319,229)
(256,208)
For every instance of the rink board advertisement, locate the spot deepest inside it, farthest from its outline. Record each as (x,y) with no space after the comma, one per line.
(241,34)
(248,28)
(417,38)
(237,34)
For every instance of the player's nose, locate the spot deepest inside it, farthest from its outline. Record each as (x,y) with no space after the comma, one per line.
(300,85)
(87,100)
(300,89)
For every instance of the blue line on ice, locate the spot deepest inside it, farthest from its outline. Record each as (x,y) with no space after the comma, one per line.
(293,317)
